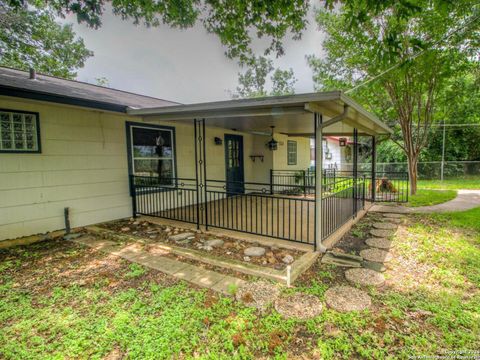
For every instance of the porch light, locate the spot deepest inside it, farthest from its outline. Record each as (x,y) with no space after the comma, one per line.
(272,144)
(342,142)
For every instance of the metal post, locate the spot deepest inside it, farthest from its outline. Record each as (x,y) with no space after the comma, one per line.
(133,192)
(196,172)
(318,183)
(271,181)
(374,168)
(443,153)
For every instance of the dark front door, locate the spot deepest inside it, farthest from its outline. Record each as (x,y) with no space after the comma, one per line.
(234,163)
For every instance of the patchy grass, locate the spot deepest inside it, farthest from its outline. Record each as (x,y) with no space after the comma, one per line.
(430,197)
(470,183)
(61,301)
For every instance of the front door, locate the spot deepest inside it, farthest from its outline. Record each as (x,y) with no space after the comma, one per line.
(234,163)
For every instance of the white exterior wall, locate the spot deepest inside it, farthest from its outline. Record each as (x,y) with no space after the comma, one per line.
(83,165)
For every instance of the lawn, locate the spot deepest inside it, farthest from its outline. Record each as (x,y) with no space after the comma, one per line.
(430,197)
(472,183)
(59,300)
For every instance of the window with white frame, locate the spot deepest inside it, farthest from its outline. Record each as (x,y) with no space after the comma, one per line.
(292,152)
(152,152)
(19,131)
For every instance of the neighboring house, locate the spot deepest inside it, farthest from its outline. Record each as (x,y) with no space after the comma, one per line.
(67,144)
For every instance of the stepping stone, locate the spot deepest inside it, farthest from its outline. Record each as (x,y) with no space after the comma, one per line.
(380,243)
(375,266)
(214,243)
(381,233)
(254,251)
(393,216)
(347,298)
(395,221)
(299,306)
(376,255)
(258,294)
(180,237)
(364,277)
(385,226)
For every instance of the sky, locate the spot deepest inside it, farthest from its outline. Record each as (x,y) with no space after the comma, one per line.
(186,66)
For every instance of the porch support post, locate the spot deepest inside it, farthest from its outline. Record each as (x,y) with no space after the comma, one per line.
(355,170)
(318,183)
(373,182)
(195,143)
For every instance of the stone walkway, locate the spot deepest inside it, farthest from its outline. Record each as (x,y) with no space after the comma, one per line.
(191,273)
(465,200)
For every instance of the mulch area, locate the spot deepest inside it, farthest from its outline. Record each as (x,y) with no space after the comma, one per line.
(233,249)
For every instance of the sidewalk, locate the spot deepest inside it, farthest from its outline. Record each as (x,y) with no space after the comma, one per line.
(183,271)
(465,200)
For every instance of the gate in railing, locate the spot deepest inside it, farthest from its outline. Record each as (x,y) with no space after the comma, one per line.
(255,210)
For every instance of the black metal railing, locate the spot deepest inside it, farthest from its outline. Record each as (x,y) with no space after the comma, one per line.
(255,210)
(341,203)
(172,198)
(252,209)
(389,186)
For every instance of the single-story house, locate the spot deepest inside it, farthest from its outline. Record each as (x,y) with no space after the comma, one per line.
(107,154)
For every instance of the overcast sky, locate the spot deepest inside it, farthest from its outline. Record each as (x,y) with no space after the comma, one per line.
(187,66)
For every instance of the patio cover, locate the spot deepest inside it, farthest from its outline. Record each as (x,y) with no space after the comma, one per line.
(291,114)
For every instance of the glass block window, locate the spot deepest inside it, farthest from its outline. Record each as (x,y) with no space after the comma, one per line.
(292,152)
(153,152)
(19,131)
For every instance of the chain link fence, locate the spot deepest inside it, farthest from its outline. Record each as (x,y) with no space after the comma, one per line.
(428,170)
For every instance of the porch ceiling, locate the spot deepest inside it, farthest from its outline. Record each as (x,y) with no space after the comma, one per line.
(292,115)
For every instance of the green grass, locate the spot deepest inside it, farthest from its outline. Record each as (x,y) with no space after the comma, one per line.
(469,219)
(472,183)
(58,301)
(430,197)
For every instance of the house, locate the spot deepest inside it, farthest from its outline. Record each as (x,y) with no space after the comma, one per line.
(105,154)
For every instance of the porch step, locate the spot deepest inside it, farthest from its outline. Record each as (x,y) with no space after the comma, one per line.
(194,274)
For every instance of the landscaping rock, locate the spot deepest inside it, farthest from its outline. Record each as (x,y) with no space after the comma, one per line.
(393,216)
(246,258)
(385,226)
(381,233)
(364,277)
(347,298)
(254,251)
(380,243)
(376,255)
(214,243)
(299,306)
(375,266)
(181,236)
(72,236)
(258,294)
(125,229)
(288,259)
(329,258)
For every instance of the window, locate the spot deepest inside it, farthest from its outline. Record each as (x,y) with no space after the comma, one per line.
(292,152)
(19,131)
(152,152)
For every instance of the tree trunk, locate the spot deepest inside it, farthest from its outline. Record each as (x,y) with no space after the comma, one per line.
(412,173)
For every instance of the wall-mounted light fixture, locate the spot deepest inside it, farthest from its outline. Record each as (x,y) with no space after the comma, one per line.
(218,141)
(342,142)
(272,144)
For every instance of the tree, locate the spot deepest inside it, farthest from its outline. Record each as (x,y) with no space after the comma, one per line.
(32,38)
(394,57)
(252,83)
(235,22)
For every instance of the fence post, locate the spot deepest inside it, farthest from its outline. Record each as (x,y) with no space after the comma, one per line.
(133,193)
(271,181)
